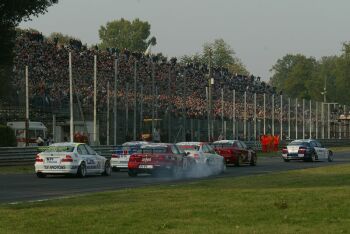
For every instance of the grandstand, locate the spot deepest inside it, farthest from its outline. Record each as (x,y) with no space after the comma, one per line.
(180,94)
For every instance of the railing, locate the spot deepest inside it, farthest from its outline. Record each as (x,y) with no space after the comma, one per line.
(10,156)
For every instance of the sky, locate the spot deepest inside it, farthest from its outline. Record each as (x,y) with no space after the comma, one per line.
(259,31)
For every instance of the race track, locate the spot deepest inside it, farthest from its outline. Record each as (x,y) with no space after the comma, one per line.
(27,187)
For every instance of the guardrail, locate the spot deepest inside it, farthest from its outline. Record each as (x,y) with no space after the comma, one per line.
(10,156)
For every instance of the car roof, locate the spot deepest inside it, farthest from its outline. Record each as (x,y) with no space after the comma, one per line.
(192,143)
(225,142)
(132,143)
(71,144)
(149,145)
(304,140)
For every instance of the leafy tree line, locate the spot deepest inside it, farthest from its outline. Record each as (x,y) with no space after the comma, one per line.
(12,12)
(305,77)
(222,55)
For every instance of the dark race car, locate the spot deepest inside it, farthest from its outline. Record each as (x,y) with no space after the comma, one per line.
(157,158)
(235,152)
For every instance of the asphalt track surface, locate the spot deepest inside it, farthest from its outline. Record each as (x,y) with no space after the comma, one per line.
(27,187)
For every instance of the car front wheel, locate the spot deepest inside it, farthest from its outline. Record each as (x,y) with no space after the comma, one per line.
(108,169)
(253,160)
(330,156)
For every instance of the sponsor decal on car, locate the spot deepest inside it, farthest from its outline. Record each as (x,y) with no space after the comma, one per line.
(55,167)
(146,159)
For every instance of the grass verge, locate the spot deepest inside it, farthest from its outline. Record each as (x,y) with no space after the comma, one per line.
(25,169)
(303,201)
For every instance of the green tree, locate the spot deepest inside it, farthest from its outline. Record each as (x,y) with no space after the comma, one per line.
(222,55)
(125,34)
(293,74)
(12,12)
(61,38)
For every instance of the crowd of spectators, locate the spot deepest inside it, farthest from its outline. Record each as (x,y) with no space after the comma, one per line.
(179,89)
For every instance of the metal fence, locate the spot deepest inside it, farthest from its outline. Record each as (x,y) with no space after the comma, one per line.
(10,156)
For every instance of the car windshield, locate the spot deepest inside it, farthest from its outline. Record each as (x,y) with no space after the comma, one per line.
(299,143)
(189,147)
(223,145)
(127,149)
(58,149)
(152,150)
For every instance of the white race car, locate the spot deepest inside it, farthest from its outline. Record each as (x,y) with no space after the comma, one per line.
(120,157)
(204,154)
(307,150)
(70,158)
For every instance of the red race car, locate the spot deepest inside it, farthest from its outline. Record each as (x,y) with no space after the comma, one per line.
(235,152)
(155,158)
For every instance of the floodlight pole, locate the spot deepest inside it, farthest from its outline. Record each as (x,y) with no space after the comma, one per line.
(115,101)
(95,100)
(71,98)
(26,132)
(108,113)
(135,100)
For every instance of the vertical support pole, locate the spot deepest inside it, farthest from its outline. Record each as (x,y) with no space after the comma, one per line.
(169,106)
(208,111)
(108,140)
(281,116)
(289,118)
(26,132)
(329,121)
(153,101)
(316,121)
(303,120)
(322,120)
(222,112)
(340,125)
(310,126)
(234,114)
(115,102)
(127,112)
(135,101)
(71,125)
(264,120)
(273,115)
(255,136)
(191,122)
(245,116)
(141,110)
(296,118)
(54,128)
(95,100)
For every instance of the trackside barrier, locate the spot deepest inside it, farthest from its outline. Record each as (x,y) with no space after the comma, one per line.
(10,156)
